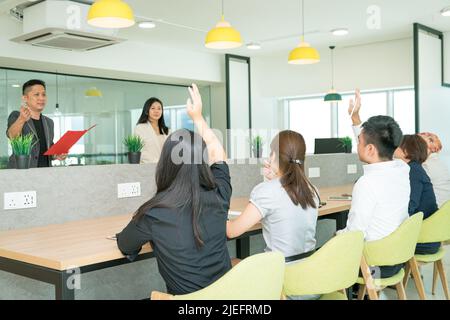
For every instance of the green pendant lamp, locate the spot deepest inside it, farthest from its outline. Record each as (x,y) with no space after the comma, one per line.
(223,36)
(303,53)
(110,14)
(332,95)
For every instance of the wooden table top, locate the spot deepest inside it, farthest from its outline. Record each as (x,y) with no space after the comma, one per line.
(84,242)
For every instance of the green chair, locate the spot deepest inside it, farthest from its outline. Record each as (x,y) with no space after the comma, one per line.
(394,249)
(328,271)
(258,277)
(435,229)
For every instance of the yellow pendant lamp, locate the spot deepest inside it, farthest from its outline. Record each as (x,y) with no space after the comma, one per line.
(223,36)
(93,92)
(303,53)
(110,14)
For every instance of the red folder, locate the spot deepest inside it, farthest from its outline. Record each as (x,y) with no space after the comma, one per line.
(66,142)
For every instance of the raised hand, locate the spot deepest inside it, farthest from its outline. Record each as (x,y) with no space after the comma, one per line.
(354,107)
(194,103)
(25,114)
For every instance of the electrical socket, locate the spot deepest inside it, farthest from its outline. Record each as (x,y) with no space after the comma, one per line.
(19,200)
(352,169)
(314,172)
(128,190)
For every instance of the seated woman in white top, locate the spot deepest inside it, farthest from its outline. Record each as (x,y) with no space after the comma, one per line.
(286,205)
(436,168)
(152,129)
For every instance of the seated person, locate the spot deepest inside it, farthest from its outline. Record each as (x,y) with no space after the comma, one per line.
(286,205)
(414,151)
(436,169)
(381,196)
(185,221)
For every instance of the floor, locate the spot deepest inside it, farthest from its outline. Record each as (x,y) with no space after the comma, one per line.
(427,273)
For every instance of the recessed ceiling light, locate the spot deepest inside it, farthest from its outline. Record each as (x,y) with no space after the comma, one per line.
(340,32)
(15,85)
(147,25)
(446,12)
(253,46)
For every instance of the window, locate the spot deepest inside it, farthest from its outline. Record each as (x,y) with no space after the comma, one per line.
(314,118)
(311,118)
(404,110)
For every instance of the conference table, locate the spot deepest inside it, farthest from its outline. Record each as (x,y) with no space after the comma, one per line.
(58,253)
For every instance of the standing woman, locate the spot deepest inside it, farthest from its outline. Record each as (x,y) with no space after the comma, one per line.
(152,129)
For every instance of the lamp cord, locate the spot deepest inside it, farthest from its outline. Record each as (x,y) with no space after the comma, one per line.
(303,20)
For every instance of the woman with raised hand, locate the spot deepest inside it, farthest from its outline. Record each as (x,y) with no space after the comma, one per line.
(185,221)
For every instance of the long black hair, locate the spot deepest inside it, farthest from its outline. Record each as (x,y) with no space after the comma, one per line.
(181,172)
(145,111)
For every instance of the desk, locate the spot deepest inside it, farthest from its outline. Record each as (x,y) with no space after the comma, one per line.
(56,253)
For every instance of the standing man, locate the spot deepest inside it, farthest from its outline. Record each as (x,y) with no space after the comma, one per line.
(31,120)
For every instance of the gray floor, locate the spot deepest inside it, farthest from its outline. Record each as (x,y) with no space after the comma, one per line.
(427,272)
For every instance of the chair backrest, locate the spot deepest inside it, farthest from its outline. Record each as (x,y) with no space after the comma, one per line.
(333,267)
(437,227)
(258,277)
(396,248)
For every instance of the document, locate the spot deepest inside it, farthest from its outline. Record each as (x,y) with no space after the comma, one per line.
(66,142)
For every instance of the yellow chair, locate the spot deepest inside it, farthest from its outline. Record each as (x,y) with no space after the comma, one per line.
(435,229)
(394,249)
(329,271)
(258,277)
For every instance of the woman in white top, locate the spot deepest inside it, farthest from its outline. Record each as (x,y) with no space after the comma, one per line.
(152,129)
(436,168)
(287,204)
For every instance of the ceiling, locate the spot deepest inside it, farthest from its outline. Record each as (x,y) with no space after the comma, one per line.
(277,24)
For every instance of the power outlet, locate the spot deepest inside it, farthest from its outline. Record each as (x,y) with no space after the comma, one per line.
(128,190)
(351,169)
(19,200)
(314,173)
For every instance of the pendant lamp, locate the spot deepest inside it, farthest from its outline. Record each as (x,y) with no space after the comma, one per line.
(303,53)
(223,35)
(332,95)
(111,14)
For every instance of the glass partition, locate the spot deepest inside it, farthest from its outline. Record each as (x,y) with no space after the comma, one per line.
(77,103)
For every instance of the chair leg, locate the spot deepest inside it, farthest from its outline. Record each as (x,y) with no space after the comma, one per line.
(368,280)
(361,291)
(417,278)
(440,267)
(400,291)
(407,275)
(435,277)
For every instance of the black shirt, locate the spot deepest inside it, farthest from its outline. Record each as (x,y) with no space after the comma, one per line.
(43,161)
(183,266)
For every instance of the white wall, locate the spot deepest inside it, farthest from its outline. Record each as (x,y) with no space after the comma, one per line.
(374,66)
(447,57)
(434,99)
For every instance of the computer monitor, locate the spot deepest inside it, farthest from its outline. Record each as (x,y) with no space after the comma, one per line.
(328,145)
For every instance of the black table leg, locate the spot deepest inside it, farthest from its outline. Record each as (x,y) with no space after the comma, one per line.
(242,247)
(64,288)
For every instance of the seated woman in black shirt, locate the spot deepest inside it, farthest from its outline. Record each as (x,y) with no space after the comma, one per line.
(414,151)
(185,222)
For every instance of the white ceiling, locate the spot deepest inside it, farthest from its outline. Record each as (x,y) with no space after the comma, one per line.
(277,24)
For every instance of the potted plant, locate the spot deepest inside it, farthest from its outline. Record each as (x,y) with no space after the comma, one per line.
(257,144)
(347,144)
(134,145)
(21,147)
